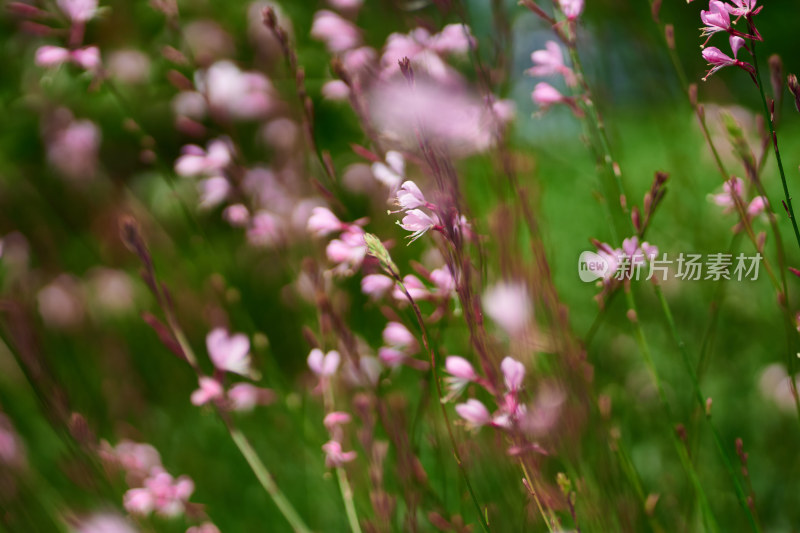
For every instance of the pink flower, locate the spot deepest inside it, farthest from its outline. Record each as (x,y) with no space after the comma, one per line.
(323,222)
(376,285)
(392,172)
(135,457)
(717,60)
(572,9)
(397,335)
(87,58)
(169,495)
(323,364)
(461,375)
(416,289)
(513,373)
(264,229)
(104,522)
(52,56)
(346,5)
(392,357)
(78,10)
(716,19)
(508,304)
(334,456)
(138,501)
(196,161)
(335,90)
(337,33)
(336,418)
(348,251)
(474,413)
(232,93)
(731,190)
(443,279)
(418,222)
(546,95)
(230,353)
(245,397)
(453,39)
(757,206)
(409,196)
(743,8)
(236,215)
(550,61)
(210,390)
(213,191)
(73,150)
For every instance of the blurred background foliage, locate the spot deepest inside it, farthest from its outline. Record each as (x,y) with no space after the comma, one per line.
(112,369)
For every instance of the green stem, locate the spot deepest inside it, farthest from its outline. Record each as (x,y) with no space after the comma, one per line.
(266,480)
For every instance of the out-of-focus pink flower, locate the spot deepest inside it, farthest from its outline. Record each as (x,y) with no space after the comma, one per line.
(336,90)
(136,457)
(392,172)
(443,279)
(264,229)
(129,66)
(52,56)
(504,110)
(169,495)
(78,10)
(236,215)
(474,413)
(323,222)
(73,150)
(196,161)
(461,375)
(230,353)
(138,501)
(10,446)
(213,191)
(359,61)
(205,527)
(757,206)
(207,41)
(416,289)
(545,411)
(513,373)
(336,418)
(334,456)
(453,39)
(87,58)
(323,364)
(410,197)
(103,523)
(232,93)
(337,33)
(190,104)
(508,304)
(61,303)
(572,9)
(348,251)
(545,95)
(210,390)
(550,61)
(245,397)
(397,335)
(418,223)
(376,285)
(392,357)
(731,190)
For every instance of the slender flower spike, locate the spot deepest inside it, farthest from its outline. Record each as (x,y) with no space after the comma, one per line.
(322,364)
(717,59)
(474,413)
(418,222)
(230,353)
(513,373)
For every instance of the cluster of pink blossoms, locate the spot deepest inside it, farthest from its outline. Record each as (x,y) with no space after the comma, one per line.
(473,411)
(622,261)
(718,20)
(230,353)
(732,194)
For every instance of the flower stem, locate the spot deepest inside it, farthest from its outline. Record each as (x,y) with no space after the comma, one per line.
(266,480)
